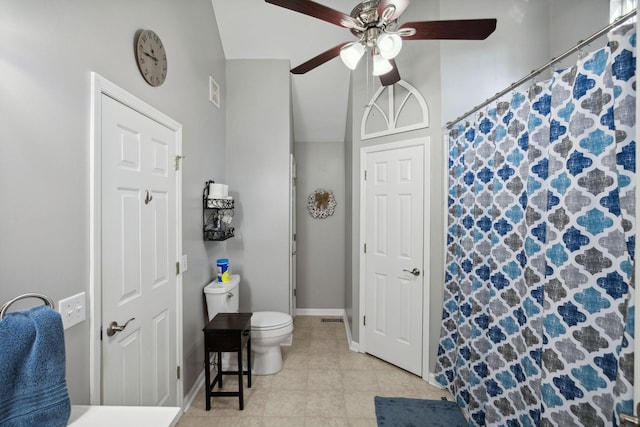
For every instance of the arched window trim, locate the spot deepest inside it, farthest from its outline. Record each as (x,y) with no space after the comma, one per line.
(391,118)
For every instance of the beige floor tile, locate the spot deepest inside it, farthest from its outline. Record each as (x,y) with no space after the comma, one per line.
(399,381)
(254,405)
(351,361)
(360,404)
(362,422)
(325,422)
(192,421)
(300,345)
(325,333)
(359,381)
(305,321)
(290,379)
(261,382)
(321,403)
(285,403)
(296,360)
(327,346)
(321,360)
(283,421)
(240,422)
(302,333)
(324,379)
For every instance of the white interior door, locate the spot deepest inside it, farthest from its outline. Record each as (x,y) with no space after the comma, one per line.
(138,258)
(394,205)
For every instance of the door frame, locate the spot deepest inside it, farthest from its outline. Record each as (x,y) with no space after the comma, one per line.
(292,236)
(364,152)
(99,87)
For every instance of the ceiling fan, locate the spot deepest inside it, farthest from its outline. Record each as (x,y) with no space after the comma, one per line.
(375,24)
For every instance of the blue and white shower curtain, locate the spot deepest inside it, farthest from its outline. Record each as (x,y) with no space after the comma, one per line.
(538,316)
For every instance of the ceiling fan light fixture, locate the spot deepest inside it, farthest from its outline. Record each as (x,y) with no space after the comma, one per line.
(389,45)
(381,65)
(351,54)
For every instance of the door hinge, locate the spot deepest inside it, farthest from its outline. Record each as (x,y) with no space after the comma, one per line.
(295,236)
(178,158)
(100,334)
(294,292)
(365,248)
(177,267)
(364,320)
(178,371)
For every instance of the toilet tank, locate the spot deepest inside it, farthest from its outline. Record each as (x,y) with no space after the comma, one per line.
(222,297)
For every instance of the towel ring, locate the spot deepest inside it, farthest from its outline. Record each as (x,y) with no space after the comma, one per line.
(48,301)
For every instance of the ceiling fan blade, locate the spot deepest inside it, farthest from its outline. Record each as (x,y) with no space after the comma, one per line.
(318,60)
(463,29)
(400,6)
(315,10)
(392,76)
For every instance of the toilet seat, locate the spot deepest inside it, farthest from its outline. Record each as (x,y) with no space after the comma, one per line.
(269,321)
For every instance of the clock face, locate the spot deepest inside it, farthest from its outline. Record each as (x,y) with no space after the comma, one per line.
(151,57)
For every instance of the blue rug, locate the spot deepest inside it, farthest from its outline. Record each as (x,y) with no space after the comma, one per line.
(404,412)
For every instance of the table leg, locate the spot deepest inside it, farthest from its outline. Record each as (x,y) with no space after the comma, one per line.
(249,360)
(207,379)
(240,381)
(220,369)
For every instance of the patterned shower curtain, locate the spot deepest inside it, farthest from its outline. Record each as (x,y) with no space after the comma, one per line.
(537,326)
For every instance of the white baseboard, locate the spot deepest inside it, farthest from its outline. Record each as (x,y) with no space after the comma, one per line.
(193,393)
(431,379)
(319,311)
(353,346)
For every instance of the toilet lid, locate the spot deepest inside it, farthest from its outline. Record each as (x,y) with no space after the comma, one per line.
(268,320)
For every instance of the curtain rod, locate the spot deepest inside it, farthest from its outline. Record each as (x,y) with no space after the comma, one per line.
(539,70)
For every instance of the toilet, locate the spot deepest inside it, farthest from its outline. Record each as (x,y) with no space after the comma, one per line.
(269,329)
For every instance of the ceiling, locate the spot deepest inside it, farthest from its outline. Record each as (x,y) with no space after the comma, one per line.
(254,29)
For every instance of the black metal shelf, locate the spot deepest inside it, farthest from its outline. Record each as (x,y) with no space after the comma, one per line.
(216,217)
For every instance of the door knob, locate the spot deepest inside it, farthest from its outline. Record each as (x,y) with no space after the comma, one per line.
(148,197)
(114,327)
(415,271)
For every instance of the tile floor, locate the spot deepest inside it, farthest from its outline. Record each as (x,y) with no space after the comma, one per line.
(322,383)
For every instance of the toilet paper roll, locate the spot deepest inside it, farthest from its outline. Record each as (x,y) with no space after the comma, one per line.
(216,191)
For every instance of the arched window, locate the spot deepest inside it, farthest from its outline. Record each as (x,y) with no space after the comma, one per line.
(394,109)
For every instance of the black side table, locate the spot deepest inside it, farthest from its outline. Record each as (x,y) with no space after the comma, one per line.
(228,332)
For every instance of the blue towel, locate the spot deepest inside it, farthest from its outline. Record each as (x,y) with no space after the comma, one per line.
(33,388)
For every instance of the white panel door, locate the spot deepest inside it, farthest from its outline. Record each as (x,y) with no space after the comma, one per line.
(394,194)
(138,258)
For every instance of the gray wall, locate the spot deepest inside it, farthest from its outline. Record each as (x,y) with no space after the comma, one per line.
(320,242)
(48,51)
(258,150)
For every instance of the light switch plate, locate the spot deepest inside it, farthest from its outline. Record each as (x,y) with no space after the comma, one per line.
(73,310)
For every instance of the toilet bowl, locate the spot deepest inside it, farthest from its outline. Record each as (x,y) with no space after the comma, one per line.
(269,329)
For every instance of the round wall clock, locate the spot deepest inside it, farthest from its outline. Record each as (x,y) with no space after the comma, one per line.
(151,57)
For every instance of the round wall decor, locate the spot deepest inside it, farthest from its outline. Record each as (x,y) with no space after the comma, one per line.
(321,203)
